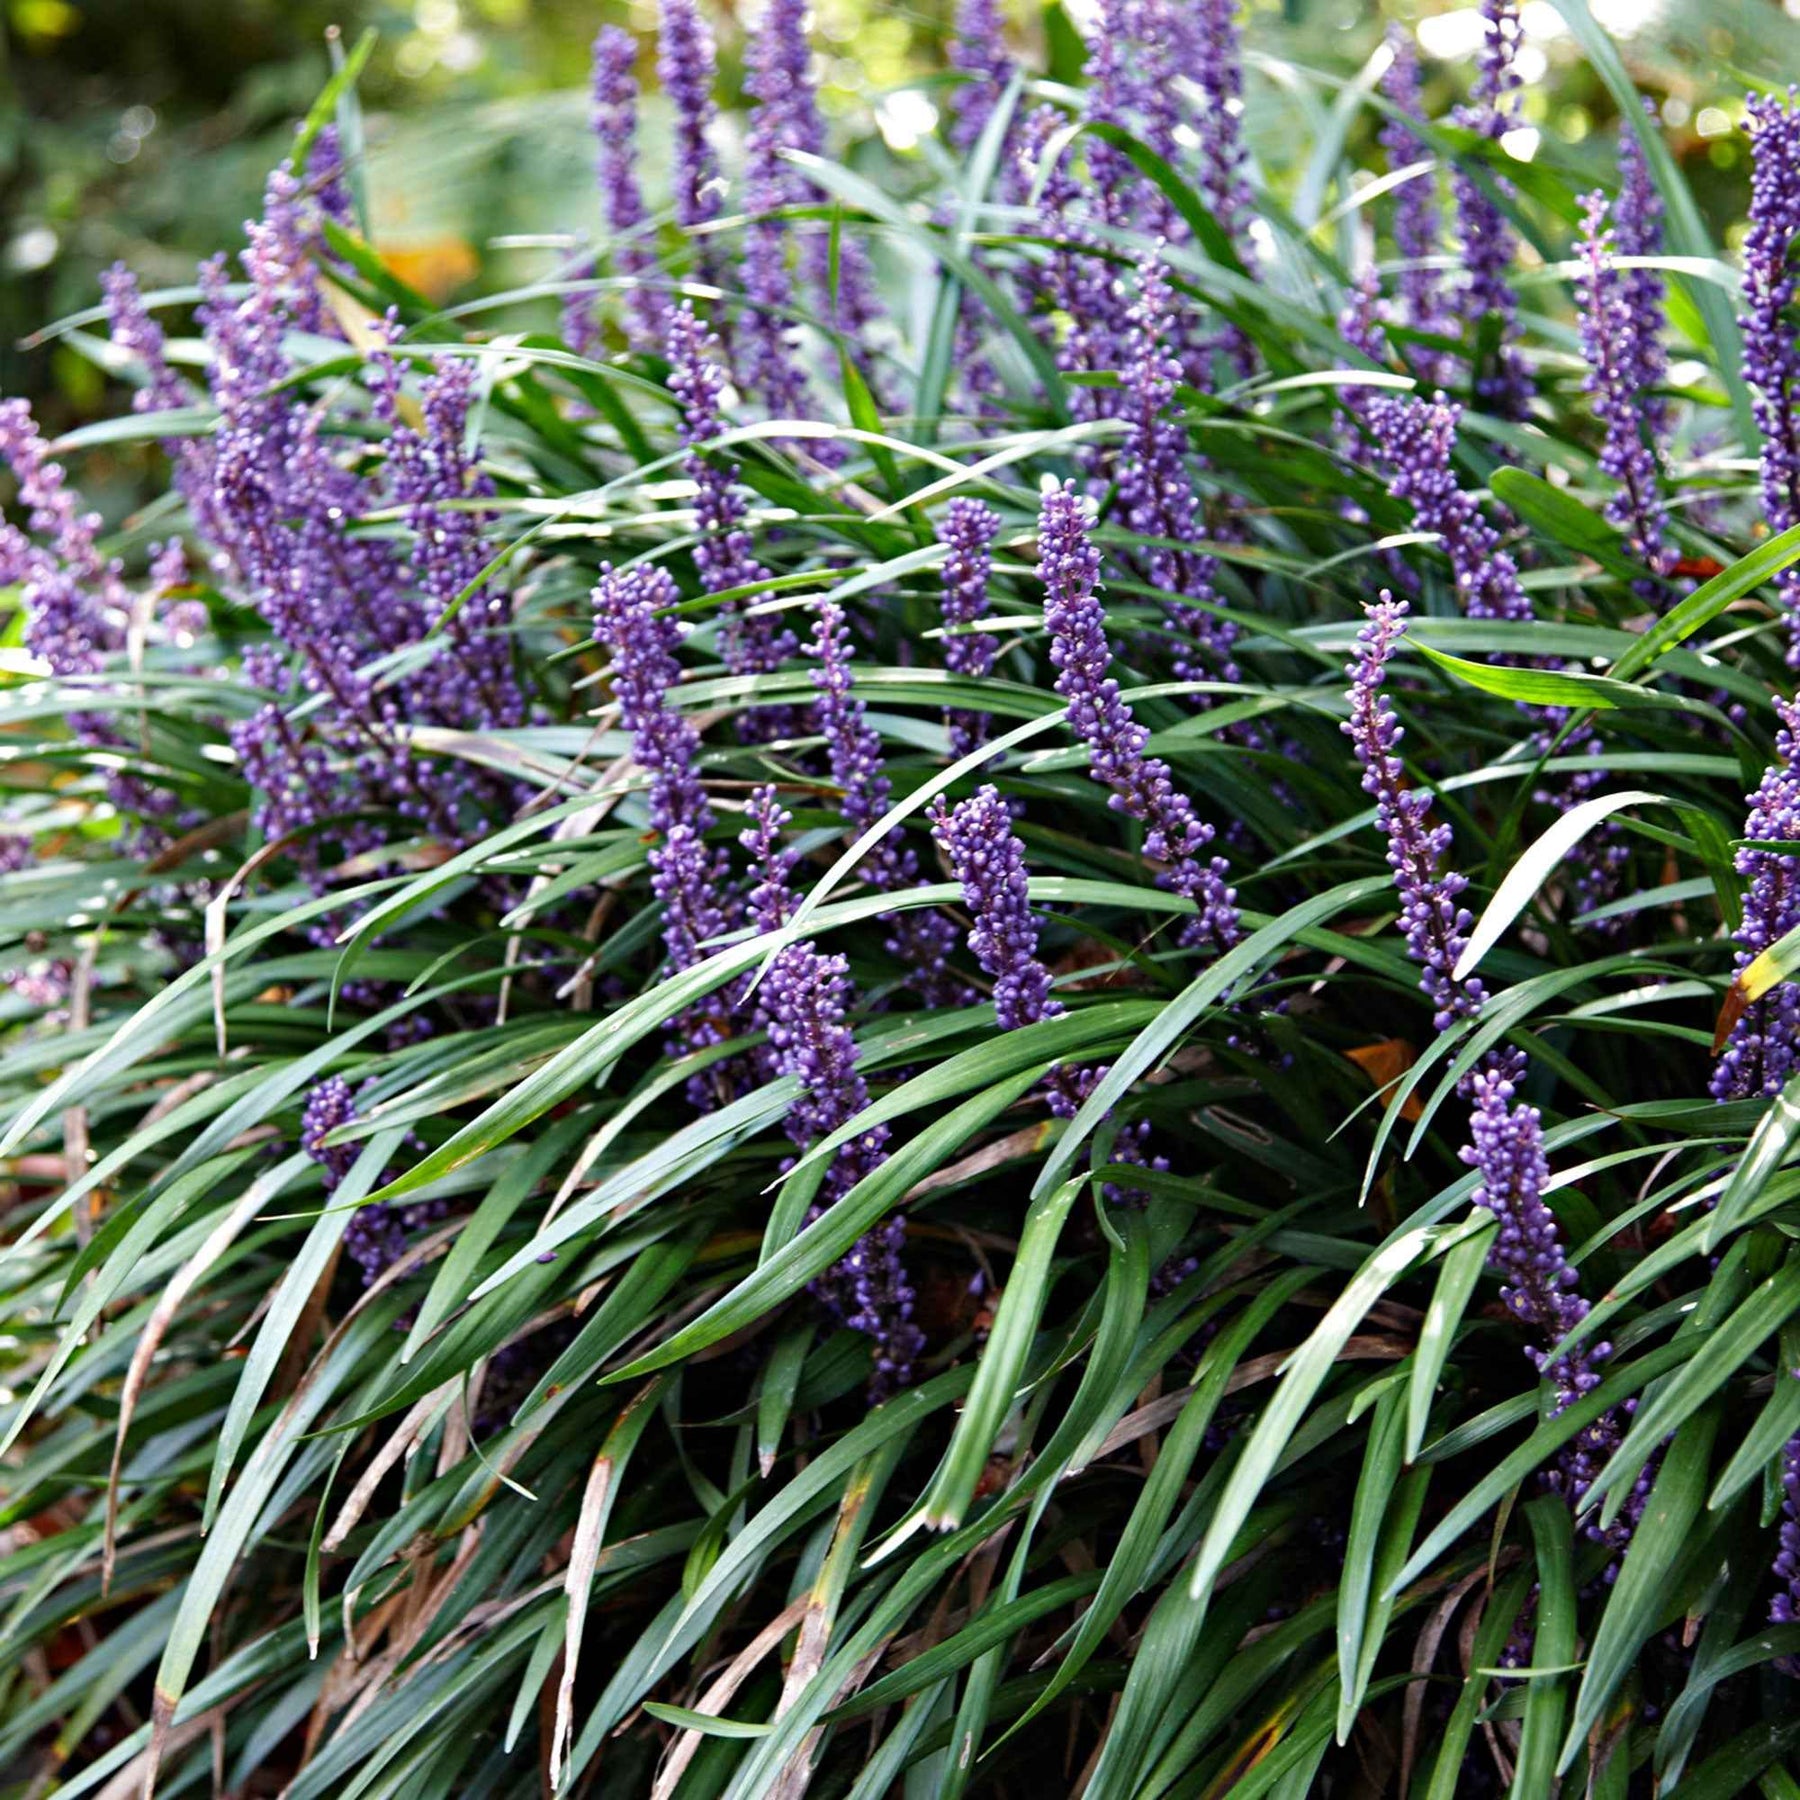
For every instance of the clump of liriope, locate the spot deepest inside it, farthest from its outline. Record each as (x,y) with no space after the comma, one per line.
(764,1037)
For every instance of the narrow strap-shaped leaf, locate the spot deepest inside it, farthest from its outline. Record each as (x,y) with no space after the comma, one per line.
(1640,1596)
(1002,1360)
(1457,1275)
(1553,1649)
(1723,1350)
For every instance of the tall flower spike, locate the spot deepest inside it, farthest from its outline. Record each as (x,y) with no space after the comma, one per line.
(614,117)
(75,601)
(1213,58)
(1638,229)
(1420,301)
(1487,239)
(968,534)
(1764,1047)
(979,54)
(806,999)
(1771,352)
(1609,347)
(632,617)
(752,643)
(688,876)
(786,117)
(989,861)
(471,683)
(1436,928)
(1784,1609)
(1142,786)
(1217,69)
(687,68)
(1131,69)
(1156,496)
(1417,439)
(771,899)
(782,118)
(922,938)
(1540,1285)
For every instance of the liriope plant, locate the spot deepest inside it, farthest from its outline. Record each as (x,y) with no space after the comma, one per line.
(952,981)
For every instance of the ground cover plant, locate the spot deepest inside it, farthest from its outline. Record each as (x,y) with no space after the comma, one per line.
(973,974)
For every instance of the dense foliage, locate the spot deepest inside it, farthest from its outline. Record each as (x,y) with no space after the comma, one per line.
(942,984)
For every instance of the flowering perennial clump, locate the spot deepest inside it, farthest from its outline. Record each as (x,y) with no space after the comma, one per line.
(537,874)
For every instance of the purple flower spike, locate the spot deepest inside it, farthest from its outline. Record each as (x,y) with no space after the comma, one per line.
(985,856)
(1417,439)
(1507,1149)
(631,614)
(979,54)
(806,999)
(1539,1287)
(1609,346)
(1638,229)
(614,117)
(772,901)
(1436,928)
(1142,786)
(1217,69)
(1420,299)
(968,534)
(1784,1609)
(1488,246)
(1764,1047)
(752,643)
(989,861)
(75,601)
(1771,353)
(923,939)
(472,682)
(1156,496)
(328,1106)
(687,67)
(141,338)
(786,117)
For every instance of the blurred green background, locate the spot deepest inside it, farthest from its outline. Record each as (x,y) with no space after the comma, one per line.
(142,129)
